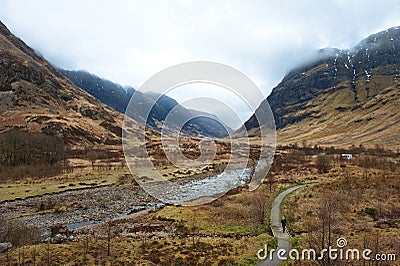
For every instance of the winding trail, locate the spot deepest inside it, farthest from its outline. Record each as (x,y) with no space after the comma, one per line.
(283,238)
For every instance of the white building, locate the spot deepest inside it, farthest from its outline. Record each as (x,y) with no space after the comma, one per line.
(347,156)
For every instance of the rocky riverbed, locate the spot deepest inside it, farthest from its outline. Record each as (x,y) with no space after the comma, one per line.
(79,208)
(76,207)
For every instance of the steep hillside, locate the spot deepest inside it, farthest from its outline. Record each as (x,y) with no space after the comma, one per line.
(118,97)
(35,97)
(112,94)
(342,97)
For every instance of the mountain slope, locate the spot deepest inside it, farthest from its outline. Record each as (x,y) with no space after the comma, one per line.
(342,96)
(118,98)
(35,97)
(203,124)
(112,94)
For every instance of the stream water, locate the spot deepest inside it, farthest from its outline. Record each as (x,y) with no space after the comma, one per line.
(102,204)
(181,191)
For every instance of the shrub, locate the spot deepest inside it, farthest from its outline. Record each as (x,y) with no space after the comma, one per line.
(323,164)
(371,211)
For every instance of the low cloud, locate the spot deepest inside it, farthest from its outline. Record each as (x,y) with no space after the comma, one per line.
(129,41)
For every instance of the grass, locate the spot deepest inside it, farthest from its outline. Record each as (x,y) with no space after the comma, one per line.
(30,188)
(219,221)
(201,251)
(368,216)
(201,242)
(339,128)
(201,219)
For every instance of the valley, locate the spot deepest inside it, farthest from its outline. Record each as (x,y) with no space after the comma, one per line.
(74,190)
(232,227)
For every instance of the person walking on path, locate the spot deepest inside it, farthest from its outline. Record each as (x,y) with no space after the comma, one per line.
(283,238)
(283,222)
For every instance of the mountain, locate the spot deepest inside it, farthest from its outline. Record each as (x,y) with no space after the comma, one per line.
(203,124)
(341,97)
(112,94)
(36,97)
(117,97)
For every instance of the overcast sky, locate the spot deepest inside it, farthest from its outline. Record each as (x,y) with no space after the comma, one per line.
(129,41)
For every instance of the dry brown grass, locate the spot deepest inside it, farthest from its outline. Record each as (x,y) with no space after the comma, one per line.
(376,122)
(366,210)
(225,232)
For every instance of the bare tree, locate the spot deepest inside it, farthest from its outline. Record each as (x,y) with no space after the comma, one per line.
(259,204)
(271,181)
(323,164)
(321,232)
(108,238)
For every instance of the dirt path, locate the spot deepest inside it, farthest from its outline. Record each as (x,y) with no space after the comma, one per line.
(283,238)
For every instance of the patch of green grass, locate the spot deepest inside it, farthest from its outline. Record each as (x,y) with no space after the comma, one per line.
(23,189)
(249,261)
(295,242)
(200,219)
(241,229)
(273,242)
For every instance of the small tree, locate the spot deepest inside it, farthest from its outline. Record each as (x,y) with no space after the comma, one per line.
(271,181)
(259,203)
(92,156)
(321,230)
(323,164)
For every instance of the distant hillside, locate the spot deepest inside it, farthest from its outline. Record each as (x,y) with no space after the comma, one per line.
(118,97)
(204,123)
(35,97)
(112,94)
(342,96)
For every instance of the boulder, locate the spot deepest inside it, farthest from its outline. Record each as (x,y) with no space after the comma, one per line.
(58,239)
(4,247)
